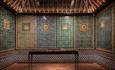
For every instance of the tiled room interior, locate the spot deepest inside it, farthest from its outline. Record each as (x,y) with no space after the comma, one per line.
(86,27)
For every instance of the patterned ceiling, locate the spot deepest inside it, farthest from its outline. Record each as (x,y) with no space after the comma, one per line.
(55,6)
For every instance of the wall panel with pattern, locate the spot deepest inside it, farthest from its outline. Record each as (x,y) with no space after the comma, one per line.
(55,32)
(46,31)
(65,31)
(83,33)
(25,32)
(104,29)
(7,29)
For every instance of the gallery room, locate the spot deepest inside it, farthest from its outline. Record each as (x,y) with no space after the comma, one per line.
(57,34)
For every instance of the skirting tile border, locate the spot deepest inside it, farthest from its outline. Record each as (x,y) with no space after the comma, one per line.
(84,56)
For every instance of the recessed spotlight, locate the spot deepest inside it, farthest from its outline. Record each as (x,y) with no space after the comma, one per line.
(66,17)
(72,2)
(44,18)
(37,2)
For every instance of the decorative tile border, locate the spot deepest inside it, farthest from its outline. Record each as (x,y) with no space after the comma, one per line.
(99,57)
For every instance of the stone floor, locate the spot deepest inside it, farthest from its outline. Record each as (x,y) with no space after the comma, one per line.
(55,66)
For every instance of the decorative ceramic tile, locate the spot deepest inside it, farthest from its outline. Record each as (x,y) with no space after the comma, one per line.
(6,24)
(84,27)
(65,31)
(46,31)
(83,35)
(26,32)
(7,29)
(45,27)
(104,29)
(25,26)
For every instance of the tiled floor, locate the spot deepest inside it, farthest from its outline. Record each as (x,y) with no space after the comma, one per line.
(55,66)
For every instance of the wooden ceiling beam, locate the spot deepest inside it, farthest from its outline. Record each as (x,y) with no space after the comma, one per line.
(6,1)
(94,2)
(34,3)
(23,5)
(62,5)
(99,2)
(103,0)
(91,4)
(15,2)
(92,7)
(17,6)
(80,5)
(31,6)
(77,3)
(51,9)
(20,9)
(10,2)
(89,7)
(85,6)
(28,6)
(6,6)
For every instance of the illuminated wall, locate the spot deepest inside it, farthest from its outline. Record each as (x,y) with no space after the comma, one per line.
(65,31)
(25,32)
(46,31)
(104,29)
(7,29)
(83,35)
(54,32)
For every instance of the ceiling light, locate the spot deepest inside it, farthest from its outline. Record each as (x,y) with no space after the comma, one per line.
(44,18)
(37,2)
(66,17)
(72,3)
